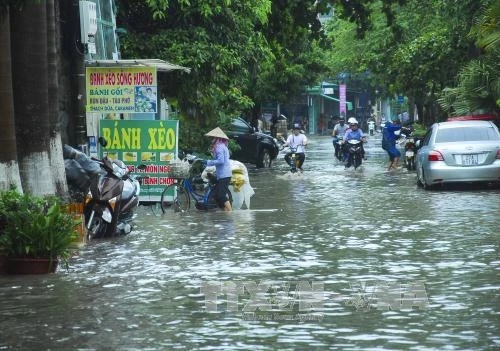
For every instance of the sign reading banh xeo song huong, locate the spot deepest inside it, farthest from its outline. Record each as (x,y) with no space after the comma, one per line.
(149,143)
(121,90)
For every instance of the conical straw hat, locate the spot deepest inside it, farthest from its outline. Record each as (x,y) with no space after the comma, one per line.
(217,133)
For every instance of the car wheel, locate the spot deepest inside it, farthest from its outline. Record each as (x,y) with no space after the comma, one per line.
(422,181)
(264,159)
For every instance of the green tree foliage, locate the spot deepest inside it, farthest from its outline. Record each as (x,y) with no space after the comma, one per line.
(241,52)
(293,35)
(217,41)
(418,53)
(478,83)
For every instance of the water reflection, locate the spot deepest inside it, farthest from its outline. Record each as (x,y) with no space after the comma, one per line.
(351,231)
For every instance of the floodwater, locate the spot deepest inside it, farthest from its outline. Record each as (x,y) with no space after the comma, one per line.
(330,260)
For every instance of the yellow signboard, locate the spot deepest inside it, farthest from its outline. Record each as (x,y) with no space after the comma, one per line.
(121,90)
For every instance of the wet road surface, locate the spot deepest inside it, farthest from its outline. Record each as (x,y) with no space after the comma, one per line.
(330,260)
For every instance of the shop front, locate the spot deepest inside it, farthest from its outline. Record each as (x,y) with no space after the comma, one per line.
(122,106)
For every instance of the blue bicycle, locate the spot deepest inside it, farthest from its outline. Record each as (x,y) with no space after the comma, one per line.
(178,195)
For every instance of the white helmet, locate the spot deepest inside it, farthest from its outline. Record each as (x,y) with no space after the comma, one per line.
(352,120)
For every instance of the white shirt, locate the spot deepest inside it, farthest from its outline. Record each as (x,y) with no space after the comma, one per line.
(339,129)
(298,141)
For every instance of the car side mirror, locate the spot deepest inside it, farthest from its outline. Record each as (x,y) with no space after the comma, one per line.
(417,144)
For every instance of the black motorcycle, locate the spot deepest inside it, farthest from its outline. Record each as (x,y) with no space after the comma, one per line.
(355,153)
(112,193)
(410,147)
(339,149)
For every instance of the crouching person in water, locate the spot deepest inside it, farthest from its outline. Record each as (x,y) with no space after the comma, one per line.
(222,167)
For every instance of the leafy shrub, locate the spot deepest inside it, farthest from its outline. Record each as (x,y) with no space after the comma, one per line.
(37,227)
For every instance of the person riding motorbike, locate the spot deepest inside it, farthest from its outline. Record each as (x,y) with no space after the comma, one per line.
(338,132)
(299,141)
(354,133)
(371,127)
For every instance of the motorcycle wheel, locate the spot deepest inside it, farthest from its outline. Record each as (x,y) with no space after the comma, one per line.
(98,228)
(357,161)
(293,164)
(338,154)
(410,163)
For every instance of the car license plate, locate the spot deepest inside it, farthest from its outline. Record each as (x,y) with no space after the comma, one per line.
(470,160)
(409,153)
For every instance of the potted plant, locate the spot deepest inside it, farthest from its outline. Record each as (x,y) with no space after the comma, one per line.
(35,232)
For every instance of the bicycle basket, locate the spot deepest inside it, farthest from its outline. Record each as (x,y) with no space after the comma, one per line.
(178,170)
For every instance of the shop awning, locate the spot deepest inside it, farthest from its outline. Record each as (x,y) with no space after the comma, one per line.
(160,65)
(348,103)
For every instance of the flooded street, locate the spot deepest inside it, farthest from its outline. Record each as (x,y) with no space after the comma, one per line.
(396,268)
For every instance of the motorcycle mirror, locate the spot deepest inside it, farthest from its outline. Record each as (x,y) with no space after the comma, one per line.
(142,167)
(182,154)
(103,142)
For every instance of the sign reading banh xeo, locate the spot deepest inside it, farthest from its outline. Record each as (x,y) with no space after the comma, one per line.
(121,90)
(149,143)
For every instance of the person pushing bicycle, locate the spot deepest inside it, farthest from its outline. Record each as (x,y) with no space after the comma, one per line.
(298,141)
(222,165)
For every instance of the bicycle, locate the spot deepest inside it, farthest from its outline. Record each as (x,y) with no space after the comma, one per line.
(154,205)
(178,195)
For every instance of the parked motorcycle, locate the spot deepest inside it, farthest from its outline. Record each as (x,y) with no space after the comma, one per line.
(410,147)
(112,193)
(410,154)
(355,149)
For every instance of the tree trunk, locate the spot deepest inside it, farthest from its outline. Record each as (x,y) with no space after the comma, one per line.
(55,145)
(31,100)
(9,169)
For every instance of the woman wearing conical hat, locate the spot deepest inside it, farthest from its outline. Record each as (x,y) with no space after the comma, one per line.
(222,167)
